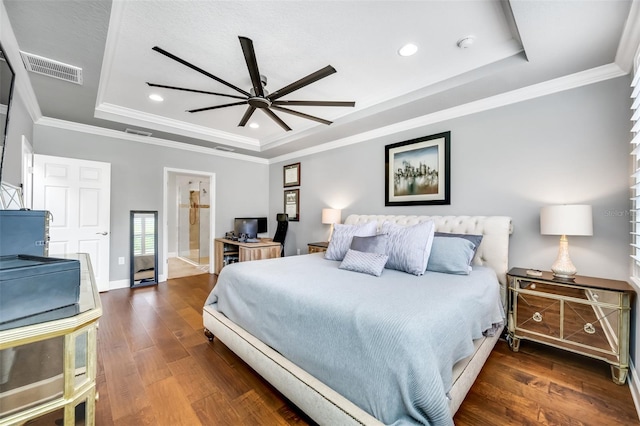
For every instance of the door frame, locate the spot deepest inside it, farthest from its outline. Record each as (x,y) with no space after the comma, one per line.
(165,215)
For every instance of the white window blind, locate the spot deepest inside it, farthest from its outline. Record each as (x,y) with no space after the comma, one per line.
(635,188)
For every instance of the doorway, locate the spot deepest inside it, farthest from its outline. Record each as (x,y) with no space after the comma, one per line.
(189,227)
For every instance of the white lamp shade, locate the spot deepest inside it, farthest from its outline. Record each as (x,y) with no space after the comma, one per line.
(331,216)
(566,220)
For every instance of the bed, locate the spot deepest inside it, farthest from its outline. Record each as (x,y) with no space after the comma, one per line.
(252,310)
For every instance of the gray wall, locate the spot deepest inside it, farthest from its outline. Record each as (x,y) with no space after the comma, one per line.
(570,147)
(137,171)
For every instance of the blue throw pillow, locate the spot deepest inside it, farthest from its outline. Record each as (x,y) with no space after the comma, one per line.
(451,255)
(475,239)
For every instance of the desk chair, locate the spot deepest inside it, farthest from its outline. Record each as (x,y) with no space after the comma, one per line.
(281,231)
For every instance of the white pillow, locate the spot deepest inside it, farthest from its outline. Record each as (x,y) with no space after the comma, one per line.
(367,263)
(342,236)
(409,246)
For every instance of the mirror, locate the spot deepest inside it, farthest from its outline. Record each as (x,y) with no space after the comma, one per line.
(144,247)
(6,91)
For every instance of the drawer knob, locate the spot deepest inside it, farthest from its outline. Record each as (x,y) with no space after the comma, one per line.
(537,317)
(589,328)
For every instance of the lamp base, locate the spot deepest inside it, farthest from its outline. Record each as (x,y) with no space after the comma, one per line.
(563,266)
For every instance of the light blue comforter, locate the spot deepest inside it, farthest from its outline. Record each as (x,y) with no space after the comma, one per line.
(386,343)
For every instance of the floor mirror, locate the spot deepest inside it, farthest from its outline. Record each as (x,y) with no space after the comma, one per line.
(144,247)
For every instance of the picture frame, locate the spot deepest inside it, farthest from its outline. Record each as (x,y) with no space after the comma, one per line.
(291,175)
(292,204)
(417,171)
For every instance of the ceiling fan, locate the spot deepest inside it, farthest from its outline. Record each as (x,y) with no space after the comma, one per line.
(258,97)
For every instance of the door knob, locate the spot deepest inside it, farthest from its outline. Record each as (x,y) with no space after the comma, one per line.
(102,233)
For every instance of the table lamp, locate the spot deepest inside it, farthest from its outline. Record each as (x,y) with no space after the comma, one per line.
(330,217)
(565,220)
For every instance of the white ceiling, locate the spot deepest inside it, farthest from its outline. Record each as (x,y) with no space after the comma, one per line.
(516,44)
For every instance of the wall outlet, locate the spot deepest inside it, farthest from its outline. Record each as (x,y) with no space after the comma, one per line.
(298,252)
(121,261)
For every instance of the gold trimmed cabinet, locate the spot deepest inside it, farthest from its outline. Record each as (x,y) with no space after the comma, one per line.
(48,361)
(585,315)
(229,251)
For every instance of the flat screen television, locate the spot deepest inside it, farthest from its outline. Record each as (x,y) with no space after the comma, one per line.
(250,226)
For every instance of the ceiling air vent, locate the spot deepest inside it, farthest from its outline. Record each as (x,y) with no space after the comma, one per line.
(224,148)
(137,132)
(55,69)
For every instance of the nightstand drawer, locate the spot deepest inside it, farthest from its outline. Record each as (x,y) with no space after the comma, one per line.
(317,247)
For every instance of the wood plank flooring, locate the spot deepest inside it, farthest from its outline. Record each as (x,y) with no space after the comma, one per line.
(155,367)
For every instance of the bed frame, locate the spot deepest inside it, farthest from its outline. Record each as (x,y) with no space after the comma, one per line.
(323,404)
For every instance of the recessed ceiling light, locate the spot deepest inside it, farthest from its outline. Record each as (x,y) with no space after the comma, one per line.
(155,97)
(408,50)
(254,125)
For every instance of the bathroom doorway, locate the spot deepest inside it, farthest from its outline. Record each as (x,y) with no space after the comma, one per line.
(190,222)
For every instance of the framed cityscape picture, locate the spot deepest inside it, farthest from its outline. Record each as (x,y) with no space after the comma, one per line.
(417,171)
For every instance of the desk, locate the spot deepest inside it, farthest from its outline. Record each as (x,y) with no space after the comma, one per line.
(229,251)
(49,360)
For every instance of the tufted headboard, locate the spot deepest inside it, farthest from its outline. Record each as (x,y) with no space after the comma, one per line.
(493,251)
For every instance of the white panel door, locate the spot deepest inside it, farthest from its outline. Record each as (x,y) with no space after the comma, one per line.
(78,194)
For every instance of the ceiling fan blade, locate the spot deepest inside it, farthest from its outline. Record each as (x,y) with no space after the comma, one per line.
(247,115)
(195,91)
(301,114)
(276,118)
(311,78)
(252,64)
(216,107)
(316,103)
(200,70)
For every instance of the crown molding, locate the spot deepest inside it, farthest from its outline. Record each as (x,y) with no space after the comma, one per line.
(629,44)
(134,117)
(101,131)
(584,78)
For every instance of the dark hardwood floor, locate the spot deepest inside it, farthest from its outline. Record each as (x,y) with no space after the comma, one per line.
(156,367)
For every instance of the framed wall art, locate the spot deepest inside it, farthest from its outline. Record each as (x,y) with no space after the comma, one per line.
(417,171)
(291,175)
(292,204)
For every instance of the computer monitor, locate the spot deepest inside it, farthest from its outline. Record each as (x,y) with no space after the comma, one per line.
(262,223)
(247,226)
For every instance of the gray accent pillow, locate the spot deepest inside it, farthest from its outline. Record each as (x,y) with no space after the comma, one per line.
(451,255)
(409,246)
(367,263)
(375,244)
(475,239)
(342,236)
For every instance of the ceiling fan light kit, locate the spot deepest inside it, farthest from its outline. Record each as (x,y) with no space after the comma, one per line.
(258,97)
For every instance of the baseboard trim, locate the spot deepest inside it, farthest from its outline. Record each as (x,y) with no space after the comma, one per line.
(634,381)
(114,285)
